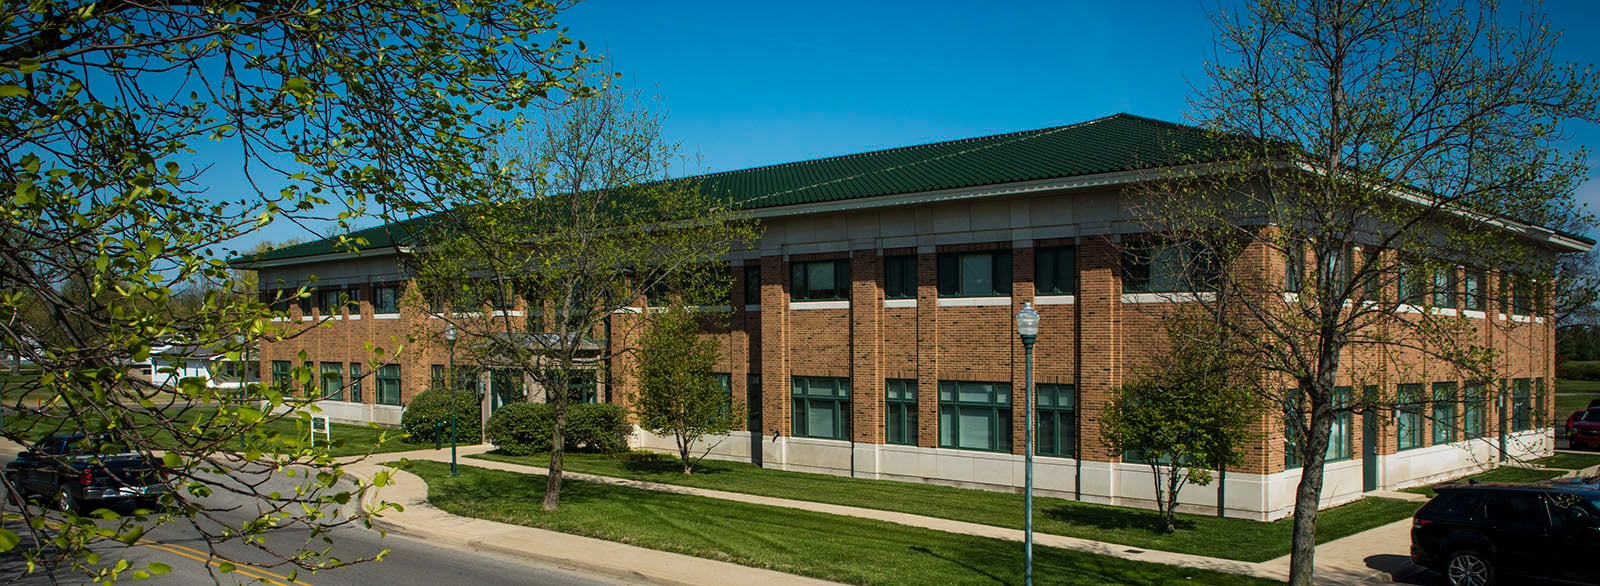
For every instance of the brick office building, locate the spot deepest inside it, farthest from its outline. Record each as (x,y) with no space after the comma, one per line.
(872,335)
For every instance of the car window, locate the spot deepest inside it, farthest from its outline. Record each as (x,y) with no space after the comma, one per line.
(1570,509)
(1516,507)
(1456,504)
(1591,415)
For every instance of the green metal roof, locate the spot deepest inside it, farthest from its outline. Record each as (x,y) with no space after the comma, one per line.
(1119,142)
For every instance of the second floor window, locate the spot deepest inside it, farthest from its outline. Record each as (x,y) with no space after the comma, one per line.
(975,274)
(1444,287)
(1167,269)
(752,284)
(1472,289)
(822,280)
(1055,270)
(900,277)
(386,299)
(329,301)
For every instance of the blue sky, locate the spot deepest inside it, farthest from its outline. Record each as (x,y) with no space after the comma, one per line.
(753,83)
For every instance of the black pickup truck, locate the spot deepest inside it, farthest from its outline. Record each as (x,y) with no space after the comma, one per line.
(80,472)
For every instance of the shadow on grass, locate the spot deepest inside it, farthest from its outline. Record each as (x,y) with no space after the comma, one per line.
(658,464)
(975,569)
(1114,519)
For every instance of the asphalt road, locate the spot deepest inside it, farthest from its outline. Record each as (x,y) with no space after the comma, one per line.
(409,562)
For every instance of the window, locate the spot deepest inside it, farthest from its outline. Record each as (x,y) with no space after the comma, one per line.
(1521,405)
(1521,296)
(725,381)
(823,280)
(1474,412)
(900,421)
(386,299)
(1340,432)
(505,387)
(1167,269)
(1055,270)
(975,274)
(436,376)
(389,384)
(752,284)
(1408,416)
(1444,287)
(821,406)
(1411,283)
(1444,413)
(466,379)
(281,374)
(355,382)
(1472,289)
(975,415)
(329,301)
(581,387)
(333,381)
(1057,407)
(1337,267)
(1294,266)
(900,277)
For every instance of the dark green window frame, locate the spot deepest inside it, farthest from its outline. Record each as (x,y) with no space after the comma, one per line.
(388,384)
(282,374)
(1055,270)
(332,380)
(725,381)
(1474,411)
(1444,287)
(819,399)
(900,276)
(582,387)
(1149,268)
(970,401)
(1472,296)
(355,382)
(1408,417)
(1521,296)
(900,416)
(1411,283)
(1521,404)
(436,377)
(975,274)
(1057,427)
(385,299)
(823,272)
(1444,412)
(1294,266)
(752,284)
(1341,438)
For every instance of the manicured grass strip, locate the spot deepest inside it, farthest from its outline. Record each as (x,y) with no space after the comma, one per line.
(842,549)
(1502,474)
(1568,461)
(1205,535)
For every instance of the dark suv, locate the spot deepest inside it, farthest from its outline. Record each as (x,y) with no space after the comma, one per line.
(1477,534)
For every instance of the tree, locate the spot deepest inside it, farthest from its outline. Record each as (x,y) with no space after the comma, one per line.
(678,396)
(1375,145)
(590,228)
(1191,415)
(347,104)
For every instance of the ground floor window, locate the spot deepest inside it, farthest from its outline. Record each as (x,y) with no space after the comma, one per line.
(975,415)
(1340,433)
(389,384)
(505,386)
(1474,410)
(900,417)
(725,382)
(582,387)
(821,406)
(355,382)
(1058,420)
(1521,405)
(1408,416)
(333,381)
(1444,413)
(281,374)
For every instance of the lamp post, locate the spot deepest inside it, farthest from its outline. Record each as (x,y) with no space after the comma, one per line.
(450,380)
(1028,330)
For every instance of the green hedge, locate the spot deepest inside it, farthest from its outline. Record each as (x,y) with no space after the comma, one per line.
(521,429)
(1578,370)
(430,408)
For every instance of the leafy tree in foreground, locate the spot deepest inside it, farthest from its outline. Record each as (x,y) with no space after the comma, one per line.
(1193,414)
(1378,146)
(592,225)
(678,396)
(346,104)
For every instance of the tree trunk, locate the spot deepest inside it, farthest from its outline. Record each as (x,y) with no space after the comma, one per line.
(1314,452)
(558,442)
(683,453)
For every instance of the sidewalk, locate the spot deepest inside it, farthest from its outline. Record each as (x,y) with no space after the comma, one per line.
(1377,556)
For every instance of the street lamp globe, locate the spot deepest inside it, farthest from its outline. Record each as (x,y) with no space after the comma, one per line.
(450,332)
(1027,321)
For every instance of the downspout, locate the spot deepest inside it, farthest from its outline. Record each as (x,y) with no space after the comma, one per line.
(1077,448)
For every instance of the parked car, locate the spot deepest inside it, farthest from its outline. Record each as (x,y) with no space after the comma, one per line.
(1583,428)
(1494,533)
(80,473)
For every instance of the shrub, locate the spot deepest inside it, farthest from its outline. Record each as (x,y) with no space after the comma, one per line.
(429,409)
(1578,370)
(521,429)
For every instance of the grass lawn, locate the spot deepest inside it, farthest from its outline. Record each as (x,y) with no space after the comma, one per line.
(1502,474)
(843,549)
(1572,395)
(1568,461)
(1205,535)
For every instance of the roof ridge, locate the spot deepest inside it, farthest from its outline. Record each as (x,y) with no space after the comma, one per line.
(914,146)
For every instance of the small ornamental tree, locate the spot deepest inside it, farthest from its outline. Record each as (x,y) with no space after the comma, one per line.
(678,395)
(1187,417)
